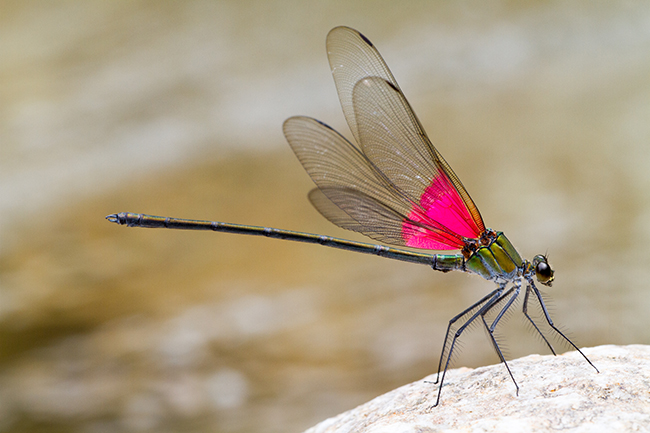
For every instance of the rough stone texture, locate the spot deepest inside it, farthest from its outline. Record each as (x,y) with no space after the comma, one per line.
(555,393)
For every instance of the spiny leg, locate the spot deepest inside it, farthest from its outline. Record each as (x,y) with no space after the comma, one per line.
(455,319)
(487,302)
(525,310)
(510,295)
(538,295)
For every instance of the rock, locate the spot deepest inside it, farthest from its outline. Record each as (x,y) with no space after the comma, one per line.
(555,393)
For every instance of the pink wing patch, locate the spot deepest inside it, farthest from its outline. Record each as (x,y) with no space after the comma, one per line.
(445,220)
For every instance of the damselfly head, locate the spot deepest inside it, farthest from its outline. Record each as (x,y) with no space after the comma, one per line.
(543,270)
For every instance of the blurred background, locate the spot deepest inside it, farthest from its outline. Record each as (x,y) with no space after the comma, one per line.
(175,108)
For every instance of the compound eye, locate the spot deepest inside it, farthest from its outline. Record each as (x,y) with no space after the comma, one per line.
(543,270)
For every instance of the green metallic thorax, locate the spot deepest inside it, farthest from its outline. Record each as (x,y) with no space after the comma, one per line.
(498,260)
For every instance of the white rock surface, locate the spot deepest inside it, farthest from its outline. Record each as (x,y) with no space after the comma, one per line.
(555,393)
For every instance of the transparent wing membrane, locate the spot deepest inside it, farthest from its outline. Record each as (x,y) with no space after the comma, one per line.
(352,58)
(393,185)
(367,201)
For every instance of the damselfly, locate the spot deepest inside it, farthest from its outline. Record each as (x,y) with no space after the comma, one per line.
(395,187)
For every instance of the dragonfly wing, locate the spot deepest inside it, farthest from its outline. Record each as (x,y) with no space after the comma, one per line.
(332,212)
(354,194)
(362,213)
(352,58)
(379,221)
(391,137)
(332,161)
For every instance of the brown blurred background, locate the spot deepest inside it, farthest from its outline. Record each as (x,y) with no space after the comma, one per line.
(169,108)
